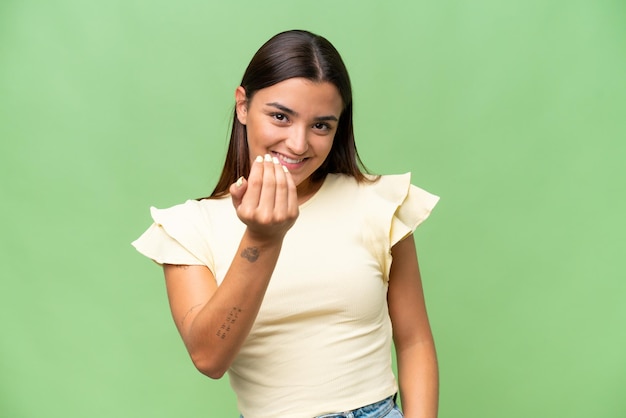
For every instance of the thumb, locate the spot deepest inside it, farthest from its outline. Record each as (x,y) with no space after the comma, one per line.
(237,190)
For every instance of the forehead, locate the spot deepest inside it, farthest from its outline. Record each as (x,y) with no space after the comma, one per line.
(301,95)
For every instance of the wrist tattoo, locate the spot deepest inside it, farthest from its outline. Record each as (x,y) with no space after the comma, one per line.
(223,331)
(251,254)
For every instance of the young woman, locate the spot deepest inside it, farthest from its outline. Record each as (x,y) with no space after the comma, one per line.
(299,270)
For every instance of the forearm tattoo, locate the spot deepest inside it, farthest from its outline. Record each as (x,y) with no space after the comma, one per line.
(182,321)
(223,331)
(251,254)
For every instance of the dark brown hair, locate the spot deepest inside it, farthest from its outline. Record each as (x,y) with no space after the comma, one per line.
(291,54)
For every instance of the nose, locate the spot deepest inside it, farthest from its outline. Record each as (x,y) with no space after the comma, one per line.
(297,142)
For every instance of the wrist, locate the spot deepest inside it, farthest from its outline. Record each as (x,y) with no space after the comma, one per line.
(254,238)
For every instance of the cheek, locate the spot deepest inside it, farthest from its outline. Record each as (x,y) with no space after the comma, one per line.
(323,146)
(263,134)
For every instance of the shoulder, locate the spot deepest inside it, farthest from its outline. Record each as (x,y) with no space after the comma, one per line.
(399,188)
(391,188)
(194,220)
(189,212)
(396,189)
(388,186)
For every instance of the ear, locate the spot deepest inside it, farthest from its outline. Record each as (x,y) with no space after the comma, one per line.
(241,105)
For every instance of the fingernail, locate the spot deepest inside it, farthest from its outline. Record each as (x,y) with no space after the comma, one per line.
(285,169)
(275,160)
(268,158)
(239,181)
(259,159)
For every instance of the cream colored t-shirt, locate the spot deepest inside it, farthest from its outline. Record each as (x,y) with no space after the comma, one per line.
(322,340)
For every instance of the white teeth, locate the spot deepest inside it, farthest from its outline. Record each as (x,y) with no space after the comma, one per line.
(289,160)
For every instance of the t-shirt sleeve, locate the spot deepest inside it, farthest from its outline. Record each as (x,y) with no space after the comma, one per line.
(157,245)
(400,208)
(414,209)
(176,236)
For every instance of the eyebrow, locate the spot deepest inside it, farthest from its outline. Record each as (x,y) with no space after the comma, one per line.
(294,113)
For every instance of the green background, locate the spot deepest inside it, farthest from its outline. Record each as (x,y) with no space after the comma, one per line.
(512,111)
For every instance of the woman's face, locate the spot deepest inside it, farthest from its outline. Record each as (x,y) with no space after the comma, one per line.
(295,121)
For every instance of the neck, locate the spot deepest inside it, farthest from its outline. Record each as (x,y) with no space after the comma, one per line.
(307,189)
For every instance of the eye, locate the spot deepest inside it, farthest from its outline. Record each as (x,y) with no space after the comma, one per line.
(320,126)
(280,117)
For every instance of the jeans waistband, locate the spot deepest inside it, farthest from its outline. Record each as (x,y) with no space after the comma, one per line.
(375,410)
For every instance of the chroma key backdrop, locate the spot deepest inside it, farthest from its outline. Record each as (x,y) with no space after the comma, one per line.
(512,111)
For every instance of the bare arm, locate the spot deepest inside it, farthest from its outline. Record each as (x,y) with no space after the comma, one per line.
(415,349)
(214,321)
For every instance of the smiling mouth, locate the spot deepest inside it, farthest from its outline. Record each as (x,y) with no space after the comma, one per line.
(288,160)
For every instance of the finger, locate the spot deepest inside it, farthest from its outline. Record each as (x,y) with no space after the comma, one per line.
(292,196)
(268,192)
(255,183)
(282,192)
(237,191)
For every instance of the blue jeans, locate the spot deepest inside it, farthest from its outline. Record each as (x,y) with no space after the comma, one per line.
(386,408)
